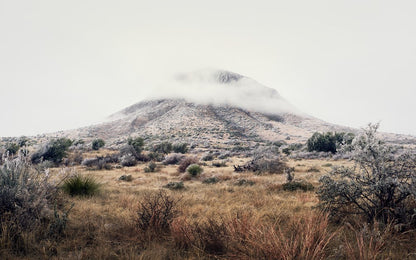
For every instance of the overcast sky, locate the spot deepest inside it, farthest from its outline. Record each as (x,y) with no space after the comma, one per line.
(66,64)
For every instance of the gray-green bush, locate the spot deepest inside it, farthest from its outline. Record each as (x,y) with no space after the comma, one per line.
(97,144)
(194,169)
(26,197)
(380,186)
(53,151)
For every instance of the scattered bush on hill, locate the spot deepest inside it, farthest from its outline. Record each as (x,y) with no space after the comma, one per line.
(185,162)
(194,170)
(151,167)
(163,148)
(12,148)
(328,142)
(53,151)
(173,158)
(180,148)
(97,144)
(137,144)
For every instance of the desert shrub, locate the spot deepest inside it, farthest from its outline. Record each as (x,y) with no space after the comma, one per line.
(174,185)
(128,160)
(286,151)
(125,178)
(156,212)
(297,185)
(76,158)
(163,148)
(137,144)
(207,157)
(260,165)
(78,142)
(53,151)
(23,141)
(194,169)
(313,169)
(81,185)
(224,155)
(26,196)
(244,182)
(185,162)
(155,156)
(328,142)
(380,186)
(12,148)
(151,167)
(211,180)
(99,162)
(174,158)
(97,144)
(89,162)
(219,164)
(180,148)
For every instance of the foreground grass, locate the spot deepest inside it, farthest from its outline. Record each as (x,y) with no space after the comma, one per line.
(215,221)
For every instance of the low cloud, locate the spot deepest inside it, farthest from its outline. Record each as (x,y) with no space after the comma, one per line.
(215,87)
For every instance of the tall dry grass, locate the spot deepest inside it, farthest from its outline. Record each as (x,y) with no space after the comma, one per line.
(218,221)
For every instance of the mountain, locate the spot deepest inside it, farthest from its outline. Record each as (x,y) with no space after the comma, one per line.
(213,108)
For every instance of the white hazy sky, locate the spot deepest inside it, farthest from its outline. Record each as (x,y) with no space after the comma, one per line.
(66,64)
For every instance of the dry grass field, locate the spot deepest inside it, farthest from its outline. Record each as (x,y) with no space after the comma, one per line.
(229,219)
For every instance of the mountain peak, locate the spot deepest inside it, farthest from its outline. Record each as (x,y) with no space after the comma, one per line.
(210,76)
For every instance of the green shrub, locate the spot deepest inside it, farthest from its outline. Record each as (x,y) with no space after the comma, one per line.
(80,185)
(244,182)
(185,162)
(151,167)
(328,142)
(219,164)
(97,144)
(137,143)
(194,169)
(126,178)
(155,156)
(174,185)
(53,151)
(211,180)
(298,185)
(180,148)
(163,148)
(313,169)
(12,148)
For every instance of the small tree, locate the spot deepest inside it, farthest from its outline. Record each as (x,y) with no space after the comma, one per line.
(380,186)
(97,144)
(164,148)
(54,151)
(137,143)
(328,142)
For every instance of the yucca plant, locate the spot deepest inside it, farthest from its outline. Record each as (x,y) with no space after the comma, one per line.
(80,185)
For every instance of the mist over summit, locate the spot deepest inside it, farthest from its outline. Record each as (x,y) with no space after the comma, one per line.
(221,87)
